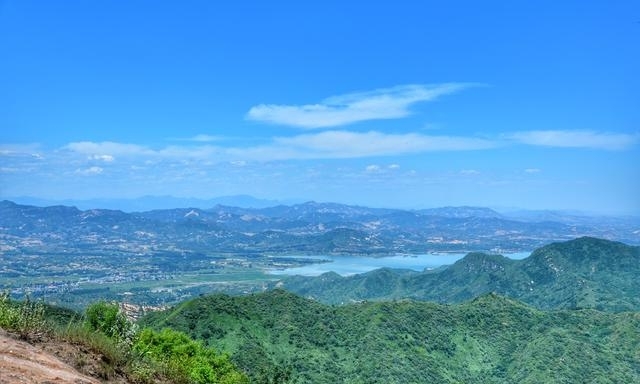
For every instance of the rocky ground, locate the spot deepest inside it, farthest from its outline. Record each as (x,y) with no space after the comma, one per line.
(49,361)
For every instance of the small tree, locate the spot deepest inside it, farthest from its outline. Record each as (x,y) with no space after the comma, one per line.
(110,320)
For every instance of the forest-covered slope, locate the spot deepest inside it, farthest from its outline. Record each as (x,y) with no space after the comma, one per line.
(490,339)
(581,273)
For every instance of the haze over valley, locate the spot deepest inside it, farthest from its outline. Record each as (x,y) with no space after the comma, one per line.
(160,257)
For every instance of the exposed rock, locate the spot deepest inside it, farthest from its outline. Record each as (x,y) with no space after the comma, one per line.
(21,362)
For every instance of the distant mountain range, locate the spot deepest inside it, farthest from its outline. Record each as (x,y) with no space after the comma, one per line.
(581,273)
(308,228)
(148,203)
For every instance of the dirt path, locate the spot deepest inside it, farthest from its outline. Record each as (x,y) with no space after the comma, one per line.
(21,362)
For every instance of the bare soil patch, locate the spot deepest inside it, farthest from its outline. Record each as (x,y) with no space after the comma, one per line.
(50,361)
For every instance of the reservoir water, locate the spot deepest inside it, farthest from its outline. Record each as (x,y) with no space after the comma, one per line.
(351,265)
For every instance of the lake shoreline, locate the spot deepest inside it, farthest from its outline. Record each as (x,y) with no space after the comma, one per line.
(347,265)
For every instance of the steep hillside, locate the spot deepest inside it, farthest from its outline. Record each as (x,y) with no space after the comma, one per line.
(491,339)
(581,273)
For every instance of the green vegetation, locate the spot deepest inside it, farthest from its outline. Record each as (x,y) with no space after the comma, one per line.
(577,274)
(579,322)
(145,356)
(186,360)
(163,257)
(110,320)
(27,319)
(491,339)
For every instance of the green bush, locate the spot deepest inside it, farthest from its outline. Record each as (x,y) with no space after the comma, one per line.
(110,320)
(144,357)
(27,318)
(113,352)
(186,360)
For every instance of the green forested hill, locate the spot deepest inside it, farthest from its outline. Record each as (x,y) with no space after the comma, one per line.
(491,339)
(581,273)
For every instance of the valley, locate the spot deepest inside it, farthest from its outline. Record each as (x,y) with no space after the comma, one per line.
(447,311)
(155,258)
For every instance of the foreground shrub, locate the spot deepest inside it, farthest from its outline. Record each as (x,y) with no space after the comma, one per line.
(111,321)
(113,352)
(143,357)
(186,360)
(26,318)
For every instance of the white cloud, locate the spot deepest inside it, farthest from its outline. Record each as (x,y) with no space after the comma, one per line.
(576,139)
(95,151)
(105,158)
(89,171)
(387,103)
(19,150)
(189,152)
(88,158)
(345,144)
(118,149)
(373,168)
(11,170)
(201,138)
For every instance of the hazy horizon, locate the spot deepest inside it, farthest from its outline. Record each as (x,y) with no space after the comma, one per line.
(151,202)
(402,105)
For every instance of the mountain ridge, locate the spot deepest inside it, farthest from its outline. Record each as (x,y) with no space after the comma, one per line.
(581,273)
(306,228)
(489,339)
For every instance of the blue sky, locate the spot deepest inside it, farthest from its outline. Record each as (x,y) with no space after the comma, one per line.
(396,104)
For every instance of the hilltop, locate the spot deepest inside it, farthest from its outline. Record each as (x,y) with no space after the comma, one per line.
(490,339)
(581,273)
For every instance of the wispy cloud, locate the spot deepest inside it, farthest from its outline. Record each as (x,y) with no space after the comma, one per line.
(372,168)
(345,144)
(201,138)
(107,148)
(576,139)
(332,144)
(91,171)
(386,103)
(11,150)
(186,161)
(105,158)
(380,169)
(107,151)
(322,145)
